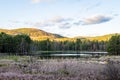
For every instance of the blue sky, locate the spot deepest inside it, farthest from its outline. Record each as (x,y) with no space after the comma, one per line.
(65,17)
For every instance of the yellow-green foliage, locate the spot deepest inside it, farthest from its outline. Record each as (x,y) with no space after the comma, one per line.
(39,35)
(35,34)
(101,38)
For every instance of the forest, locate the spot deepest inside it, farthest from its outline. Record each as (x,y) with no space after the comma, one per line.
(24,45)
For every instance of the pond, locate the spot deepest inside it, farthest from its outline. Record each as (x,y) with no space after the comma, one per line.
(59,54)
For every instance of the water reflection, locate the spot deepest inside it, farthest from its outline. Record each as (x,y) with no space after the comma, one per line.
(71,54)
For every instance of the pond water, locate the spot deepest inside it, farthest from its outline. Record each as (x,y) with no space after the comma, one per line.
(70,54)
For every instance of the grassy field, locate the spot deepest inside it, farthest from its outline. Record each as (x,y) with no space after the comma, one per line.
(35,68)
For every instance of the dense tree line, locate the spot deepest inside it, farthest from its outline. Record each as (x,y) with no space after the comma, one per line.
(77,45)
(14,44)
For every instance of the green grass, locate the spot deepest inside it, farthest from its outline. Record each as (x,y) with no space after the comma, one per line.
(14,58)
(3,65)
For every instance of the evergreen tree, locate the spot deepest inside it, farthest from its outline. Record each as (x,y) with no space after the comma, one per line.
(113,46)
(22,43)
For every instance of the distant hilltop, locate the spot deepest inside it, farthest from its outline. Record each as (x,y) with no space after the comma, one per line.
(99,38)
(37,34)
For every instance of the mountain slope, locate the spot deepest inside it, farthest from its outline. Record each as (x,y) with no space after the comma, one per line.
(100,38)
(35,34)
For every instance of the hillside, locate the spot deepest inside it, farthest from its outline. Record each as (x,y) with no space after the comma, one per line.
(35,34)
(100,38)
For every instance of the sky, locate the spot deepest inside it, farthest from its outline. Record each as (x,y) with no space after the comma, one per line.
(68,18)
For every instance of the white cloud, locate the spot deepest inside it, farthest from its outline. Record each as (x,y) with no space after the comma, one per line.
(39,1)
(97,19)
(59,19)
(60,22)
(65,25)
(36,1)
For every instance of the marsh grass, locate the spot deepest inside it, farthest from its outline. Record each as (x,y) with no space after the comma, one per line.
(35,68)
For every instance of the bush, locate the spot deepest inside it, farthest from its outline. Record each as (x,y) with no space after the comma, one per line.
(112,71)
